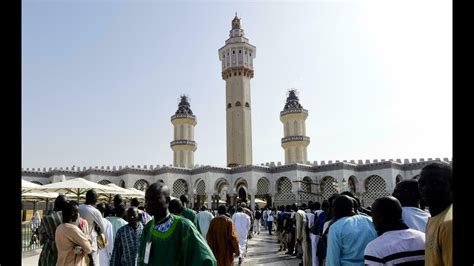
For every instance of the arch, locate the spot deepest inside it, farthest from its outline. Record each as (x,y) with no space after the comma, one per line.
(238,103)
(201,188)
(263,186)
(241,181)
(122,183)
(247,105)
(375,187)
(104,182)
(141,184)
(284,195)
(221,186)
(328,187)
(398,179)
(229,105)
(306,192)
(180,187)
(352,184)
(220,182)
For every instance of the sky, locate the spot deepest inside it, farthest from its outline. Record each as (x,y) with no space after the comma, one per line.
(101,79)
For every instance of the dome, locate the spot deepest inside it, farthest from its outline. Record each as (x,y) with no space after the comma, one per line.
(184,107)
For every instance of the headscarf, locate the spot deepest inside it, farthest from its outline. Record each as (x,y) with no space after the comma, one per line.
(36,218)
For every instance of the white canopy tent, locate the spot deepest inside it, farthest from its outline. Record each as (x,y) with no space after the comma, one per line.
(77,186)
(126,193)
(137,193)
(27,186)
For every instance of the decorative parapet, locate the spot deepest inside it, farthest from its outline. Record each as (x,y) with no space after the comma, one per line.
(294,138)
(182,142)
(270,167)
(293,111)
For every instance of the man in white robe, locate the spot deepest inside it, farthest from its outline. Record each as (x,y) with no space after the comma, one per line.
(105,254)
(93,216)
(204,218)
(242,226)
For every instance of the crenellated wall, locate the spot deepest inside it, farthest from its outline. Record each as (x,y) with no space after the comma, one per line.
(284,183)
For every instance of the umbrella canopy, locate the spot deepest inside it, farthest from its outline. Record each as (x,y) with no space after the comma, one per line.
(27,186)
(77,186)
(137,192)
(120,191)
(39,195)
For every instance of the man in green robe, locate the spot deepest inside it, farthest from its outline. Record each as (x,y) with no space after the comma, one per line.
(187,212)
(169,239)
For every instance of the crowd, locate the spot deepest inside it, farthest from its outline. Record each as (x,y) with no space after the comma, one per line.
(339,231)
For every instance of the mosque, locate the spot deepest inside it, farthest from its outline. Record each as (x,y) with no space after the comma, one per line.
(297,180)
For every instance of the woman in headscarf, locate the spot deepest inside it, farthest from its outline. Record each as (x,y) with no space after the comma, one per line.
(34,225)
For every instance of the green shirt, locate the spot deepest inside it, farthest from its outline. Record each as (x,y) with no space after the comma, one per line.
(175,242)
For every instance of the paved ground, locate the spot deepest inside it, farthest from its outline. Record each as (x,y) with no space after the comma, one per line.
(263,250)
(30,258)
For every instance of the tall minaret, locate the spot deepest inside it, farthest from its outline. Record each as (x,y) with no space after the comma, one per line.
(295,140)
(237,69)
(183,145)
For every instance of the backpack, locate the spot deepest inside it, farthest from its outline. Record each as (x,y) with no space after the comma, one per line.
(258,215)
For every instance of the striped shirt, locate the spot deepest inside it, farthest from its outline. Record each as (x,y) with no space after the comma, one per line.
(126,245)
(396,247)
(47,230)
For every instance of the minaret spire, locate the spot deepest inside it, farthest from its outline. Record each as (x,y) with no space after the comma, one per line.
(183,145)
(237,70)
(294,141)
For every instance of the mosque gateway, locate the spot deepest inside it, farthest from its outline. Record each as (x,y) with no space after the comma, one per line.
(295,180)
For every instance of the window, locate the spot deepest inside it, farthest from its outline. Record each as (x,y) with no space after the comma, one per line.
(223,56)
(229,105)
(240,74)
(247,105)
(238,104)
(233,52)
(240,51)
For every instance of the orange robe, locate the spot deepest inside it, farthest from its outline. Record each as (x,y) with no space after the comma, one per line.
(222,239)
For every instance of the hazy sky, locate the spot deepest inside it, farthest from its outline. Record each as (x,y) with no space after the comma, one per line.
(101,79)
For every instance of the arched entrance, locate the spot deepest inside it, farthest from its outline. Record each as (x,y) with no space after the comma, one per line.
(222,189)
(241,187)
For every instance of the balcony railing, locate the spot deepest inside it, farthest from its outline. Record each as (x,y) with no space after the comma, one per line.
(182,116)
(182,142)
(294,138)
(293,111)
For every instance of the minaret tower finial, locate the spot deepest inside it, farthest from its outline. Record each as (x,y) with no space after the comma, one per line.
(295,141)
(183,145)
(237,69)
